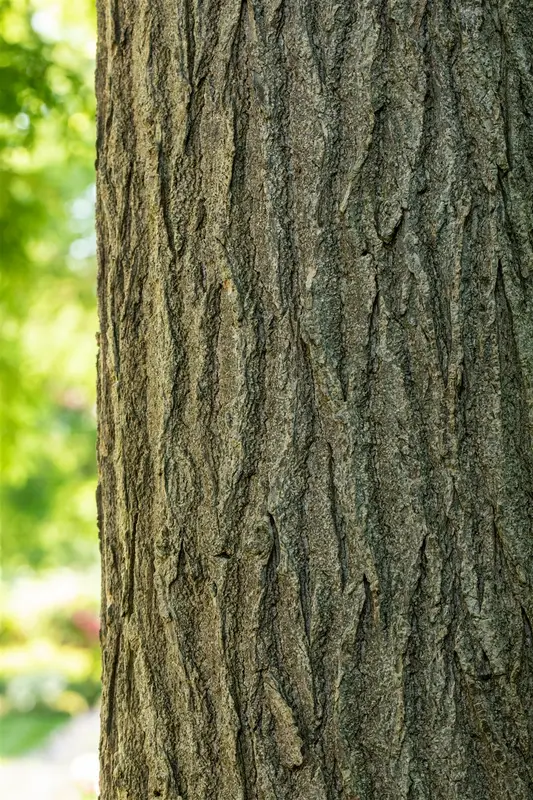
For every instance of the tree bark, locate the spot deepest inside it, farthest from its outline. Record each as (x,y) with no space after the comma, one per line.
(315,227)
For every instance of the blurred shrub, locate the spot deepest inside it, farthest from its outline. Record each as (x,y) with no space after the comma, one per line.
(79,627)
(50,659)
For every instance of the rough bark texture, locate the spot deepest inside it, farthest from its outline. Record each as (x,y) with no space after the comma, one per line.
(316,399)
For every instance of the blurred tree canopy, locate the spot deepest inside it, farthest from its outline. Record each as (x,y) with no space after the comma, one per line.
(47,299)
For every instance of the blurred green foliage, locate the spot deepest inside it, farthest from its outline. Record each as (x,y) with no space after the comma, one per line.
(47,293)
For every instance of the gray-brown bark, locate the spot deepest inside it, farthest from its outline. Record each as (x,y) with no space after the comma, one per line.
(316,399)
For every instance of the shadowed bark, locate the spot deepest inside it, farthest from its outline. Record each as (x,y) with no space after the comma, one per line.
(315,226)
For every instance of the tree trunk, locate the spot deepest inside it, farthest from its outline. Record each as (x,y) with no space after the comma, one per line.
(315,231)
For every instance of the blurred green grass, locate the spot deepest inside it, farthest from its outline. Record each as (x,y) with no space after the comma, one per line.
(23,732)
